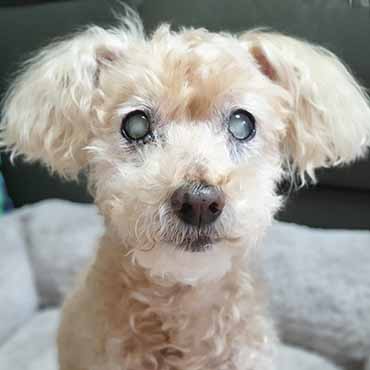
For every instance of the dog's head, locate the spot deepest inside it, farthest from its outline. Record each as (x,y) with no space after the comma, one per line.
(184,135)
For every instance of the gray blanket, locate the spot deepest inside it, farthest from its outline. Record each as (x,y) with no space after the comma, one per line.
(319,283)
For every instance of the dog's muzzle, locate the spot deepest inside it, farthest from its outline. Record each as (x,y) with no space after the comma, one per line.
(198,204)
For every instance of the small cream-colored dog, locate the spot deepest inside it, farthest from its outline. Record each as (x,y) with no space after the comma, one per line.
(184,136)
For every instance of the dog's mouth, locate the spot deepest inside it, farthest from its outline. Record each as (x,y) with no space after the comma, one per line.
(194,239)
(193,243)
(197,240)
(199,244)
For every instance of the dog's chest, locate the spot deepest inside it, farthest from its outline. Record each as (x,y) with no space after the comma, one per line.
(177,328)
(151,325)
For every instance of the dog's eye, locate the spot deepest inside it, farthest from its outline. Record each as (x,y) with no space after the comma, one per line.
(136,125)
(242,125)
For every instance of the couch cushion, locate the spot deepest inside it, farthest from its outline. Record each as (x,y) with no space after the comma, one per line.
(293,358)
(301,265)
(355,176)
(33,347)
(320,289)
(18,298)
(61,246)
(328,207)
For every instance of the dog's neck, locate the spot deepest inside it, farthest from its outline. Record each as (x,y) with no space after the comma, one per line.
(166,321)
(240,276)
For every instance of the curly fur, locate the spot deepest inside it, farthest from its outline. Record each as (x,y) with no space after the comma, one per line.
(146,303)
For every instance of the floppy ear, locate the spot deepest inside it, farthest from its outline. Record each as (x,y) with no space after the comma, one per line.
(50,110)
(329,119)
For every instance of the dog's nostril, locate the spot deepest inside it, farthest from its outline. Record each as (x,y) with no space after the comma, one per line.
(186,208)
(198,204)
(214,208)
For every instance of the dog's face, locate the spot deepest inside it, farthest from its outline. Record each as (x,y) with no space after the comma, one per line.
(185,135)
(186,160)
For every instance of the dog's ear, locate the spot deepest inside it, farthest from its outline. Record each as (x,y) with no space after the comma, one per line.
(329,119)
(52,107)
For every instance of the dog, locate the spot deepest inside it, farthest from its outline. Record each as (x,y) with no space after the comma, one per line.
(184,137)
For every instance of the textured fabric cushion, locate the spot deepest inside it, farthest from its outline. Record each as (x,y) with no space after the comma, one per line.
(18,298)
(291,358)
(319,280)
(62,237)
(33,348)
(320,289)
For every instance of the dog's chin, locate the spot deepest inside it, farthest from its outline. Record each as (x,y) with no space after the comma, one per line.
(200,244)
(196,261)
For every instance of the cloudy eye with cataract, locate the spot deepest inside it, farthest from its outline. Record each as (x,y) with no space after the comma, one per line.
(136,126)
(242,125)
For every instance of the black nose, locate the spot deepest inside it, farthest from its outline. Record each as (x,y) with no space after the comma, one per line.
(198,204)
